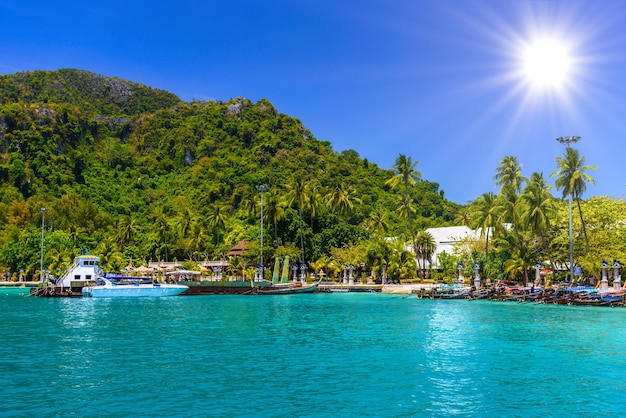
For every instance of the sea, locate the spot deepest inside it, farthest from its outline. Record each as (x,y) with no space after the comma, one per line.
(309,355)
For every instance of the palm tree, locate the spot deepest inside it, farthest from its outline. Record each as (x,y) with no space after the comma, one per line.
(377,221)
(216,219)
(426,246)
(340,199)
(110,257)
(486,216)
(537,210)
(312,201)
(406,176)
(572,179)
(274,211)
(296,195)
(163,231)
(127,229)
(403,207)
(509,176)
(185,222)
(520,262)
(537,204)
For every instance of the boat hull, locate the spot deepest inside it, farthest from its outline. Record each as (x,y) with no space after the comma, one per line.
(119,291)
(221,287)
(286,290)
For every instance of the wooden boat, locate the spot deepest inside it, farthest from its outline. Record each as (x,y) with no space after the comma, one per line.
(197,286)
(479,294)
(445,292)
(284,289)
(602,298)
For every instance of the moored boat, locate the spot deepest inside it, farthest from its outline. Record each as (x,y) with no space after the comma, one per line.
(106,288)
(445,292)
(83,273)
(198,286)
(285,289)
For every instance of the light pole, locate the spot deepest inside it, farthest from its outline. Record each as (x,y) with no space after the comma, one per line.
(567,140)
(43,215)
(261,189)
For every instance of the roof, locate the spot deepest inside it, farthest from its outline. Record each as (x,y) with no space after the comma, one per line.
(238,249)
(451,234)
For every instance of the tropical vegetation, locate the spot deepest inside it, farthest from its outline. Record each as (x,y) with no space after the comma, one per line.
(134,174)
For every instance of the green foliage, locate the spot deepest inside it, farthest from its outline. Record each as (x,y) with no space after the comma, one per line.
(134,174)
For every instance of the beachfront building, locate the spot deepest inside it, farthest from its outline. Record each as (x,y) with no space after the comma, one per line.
(447,238)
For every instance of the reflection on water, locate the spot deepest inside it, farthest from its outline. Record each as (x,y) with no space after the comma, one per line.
(450,352)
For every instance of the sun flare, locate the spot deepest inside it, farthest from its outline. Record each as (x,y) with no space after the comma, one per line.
(546,63)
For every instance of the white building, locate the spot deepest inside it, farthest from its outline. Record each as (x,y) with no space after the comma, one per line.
(447,238)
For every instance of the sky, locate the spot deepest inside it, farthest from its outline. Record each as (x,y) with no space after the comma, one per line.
(454,84)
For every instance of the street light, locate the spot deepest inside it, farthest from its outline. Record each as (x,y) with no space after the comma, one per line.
(261,189)
(567,141)
(43,215)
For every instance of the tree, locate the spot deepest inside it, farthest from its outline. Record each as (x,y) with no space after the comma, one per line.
(216,220)
(163,233)
(406,176)
(572,179)
(509,176)
(127,229)
(274,211)
(340,199)
(377,221)
(537,204)
(296,196)
(426,247)
(486,215)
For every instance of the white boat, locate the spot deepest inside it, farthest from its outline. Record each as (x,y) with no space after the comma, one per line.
(106,288)
(83,273)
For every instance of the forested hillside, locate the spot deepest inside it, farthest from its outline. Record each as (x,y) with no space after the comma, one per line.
(132,174)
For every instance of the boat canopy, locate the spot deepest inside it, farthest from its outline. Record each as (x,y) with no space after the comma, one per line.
(183,273)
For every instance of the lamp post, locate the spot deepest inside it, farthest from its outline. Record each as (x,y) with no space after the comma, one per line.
(567,141)
(43,215)
(261,188)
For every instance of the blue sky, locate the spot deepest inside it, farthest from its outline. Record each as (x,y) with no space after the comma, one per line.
(441,81)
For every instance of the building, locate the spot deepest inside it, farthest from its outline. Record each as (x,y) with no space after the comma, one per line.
(447,238)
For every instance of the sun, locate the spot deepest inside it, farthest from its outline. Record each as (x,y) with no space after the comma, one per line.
(546,63)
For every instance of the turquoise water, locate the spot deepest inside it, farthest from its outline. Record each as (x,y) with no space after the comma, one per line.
(359,355)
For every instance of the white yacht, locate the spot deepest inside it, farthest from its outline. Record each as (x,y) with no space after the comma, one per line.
(106,288)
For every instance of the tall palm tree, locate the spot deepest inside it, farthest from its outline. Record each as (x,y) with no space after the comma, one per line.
(537,204)
(163,231)
(486,215)
(296,196)
(274,210)
(312,201)
(572,179)
(406,176)
(509,176)
(537,210)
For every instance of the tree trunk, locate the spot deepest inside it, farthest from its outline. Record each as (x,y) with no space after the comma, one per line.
(582,221)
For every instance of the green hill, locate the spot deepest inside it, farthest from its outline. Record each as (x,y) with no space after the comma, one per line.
(132,173)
